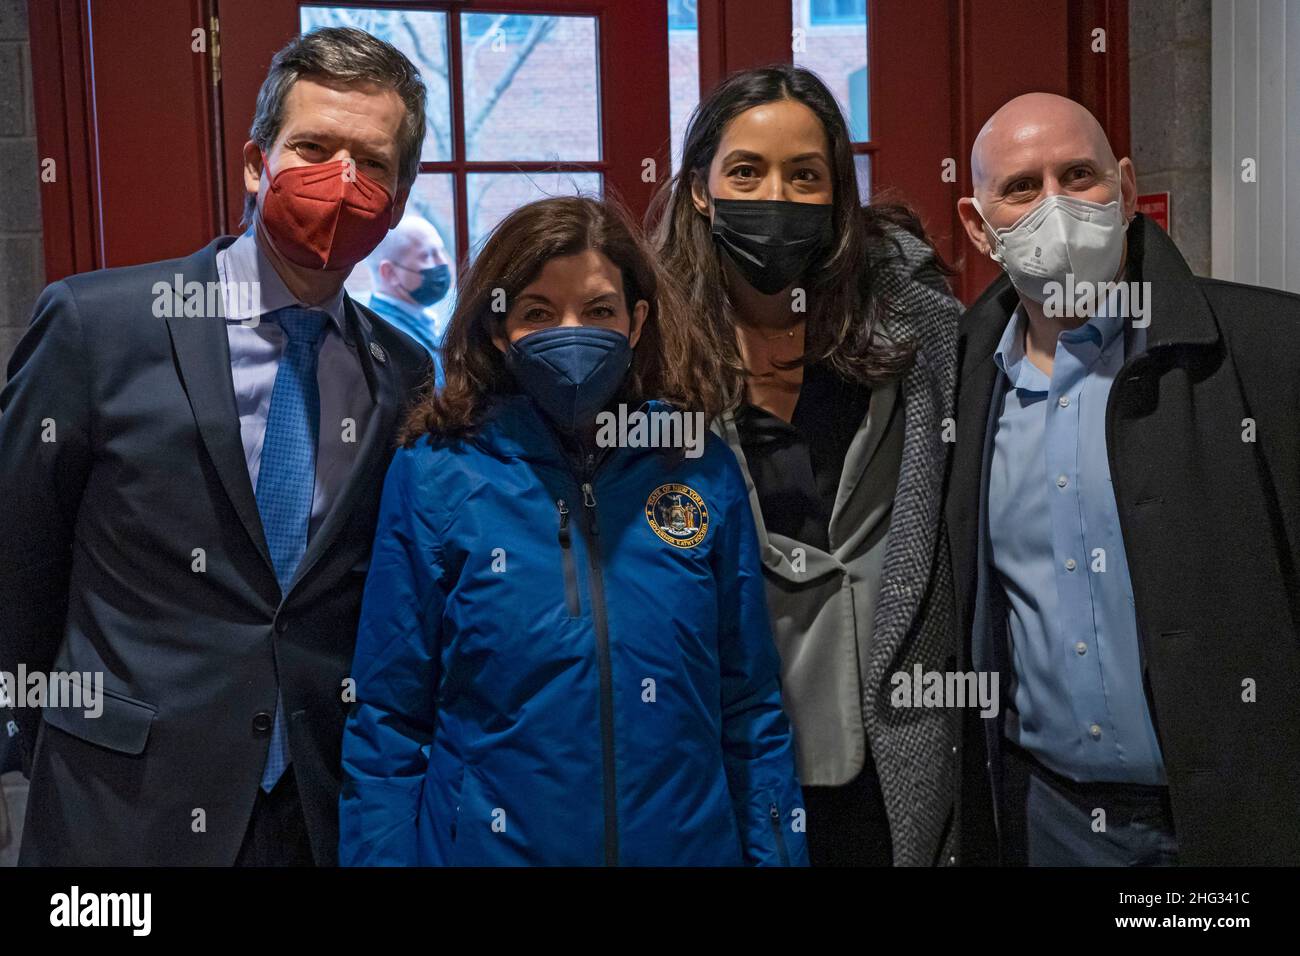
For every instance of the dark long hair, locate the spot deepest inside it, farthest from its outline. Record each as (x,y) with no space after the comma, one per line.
(671,360)
(848,318)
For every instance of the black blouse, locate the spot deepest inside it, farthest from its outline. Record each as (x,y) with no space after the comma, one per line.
(796,465)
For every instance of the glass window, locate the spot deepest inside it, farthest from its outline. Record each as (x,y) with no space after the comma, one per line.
(862,166)
(518,83)
(832,42)
(492,196)
(422,36)
(821,12)
(518,74)
(683,70)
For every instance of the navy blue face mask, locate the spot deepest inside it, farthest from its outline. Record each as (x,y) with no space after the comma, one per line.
(434,283)
(570,372)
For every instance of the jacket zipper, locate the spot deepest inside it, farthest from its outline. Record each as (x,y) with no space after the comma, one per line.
(601,623)
(775,816)
(570,572)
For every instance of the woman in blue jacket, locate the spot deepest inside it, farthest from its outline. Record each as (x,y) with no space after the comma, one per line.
(564,655)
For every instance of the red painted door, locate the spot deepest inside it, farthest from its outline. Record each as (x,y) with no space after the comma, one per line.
(124,127)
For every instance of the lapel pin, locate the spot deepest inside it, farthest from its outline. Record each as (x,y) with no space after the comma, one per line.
(378,352)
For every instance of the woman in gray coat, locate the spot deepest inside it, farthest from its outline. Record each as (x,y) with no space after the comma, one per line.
(838,334)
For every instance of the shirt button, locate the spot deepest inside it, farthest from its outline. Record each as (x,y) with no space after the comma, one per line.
(1081,648)
(1095,730)
(1064,401)
(1070,564)
(1062,481)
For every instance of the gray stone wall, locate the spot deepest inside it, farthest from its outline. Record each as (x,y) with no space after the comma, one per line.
(22,267)
(22,272)
(1169,104)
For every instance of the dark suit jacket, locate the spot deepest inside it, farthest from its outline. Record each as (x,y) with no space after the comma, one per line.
(97,574)
(1211,527)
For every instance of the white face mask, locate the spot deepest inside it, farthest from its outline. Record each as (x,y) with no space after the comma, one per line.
(1061,235)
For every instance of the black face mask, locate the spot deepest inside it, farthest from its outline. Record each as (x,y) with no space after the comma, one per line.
(771,241)
(434,283)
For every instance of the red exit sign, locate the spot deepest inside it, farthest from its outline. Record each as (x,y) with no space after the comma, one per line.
(1155,206)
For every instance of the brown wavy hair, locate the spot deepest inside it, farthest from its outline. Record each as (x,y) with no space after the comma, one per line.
(847,322)
(672,360)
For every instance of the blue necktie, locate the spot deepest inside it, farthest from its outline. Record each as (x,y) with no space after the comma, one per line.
(286,477)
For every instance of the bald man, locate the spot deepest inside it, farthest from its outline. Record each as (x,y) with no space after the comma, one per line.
(411,273)
(1124,515)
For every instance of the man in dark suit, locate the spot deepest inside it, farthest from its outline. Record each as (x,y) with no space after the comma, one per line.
(1124,514)
(191,453)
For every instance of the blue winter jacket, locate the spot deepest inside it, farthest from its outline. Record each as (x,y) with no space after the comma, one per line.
(566,669)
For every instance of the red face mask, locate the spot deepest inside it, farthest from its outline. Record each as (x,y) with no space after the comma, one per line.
(320,218)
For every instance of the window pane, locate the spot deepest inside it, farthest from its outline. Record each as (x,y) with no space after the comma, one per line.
(683,70)
(862,166)
(531,90)
(432,198)
(832,42)
(493,196)
(422,36)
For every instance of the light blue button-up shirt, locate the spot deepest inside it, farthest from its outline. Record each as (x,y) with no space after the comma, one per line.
(346,407)
(1078,697)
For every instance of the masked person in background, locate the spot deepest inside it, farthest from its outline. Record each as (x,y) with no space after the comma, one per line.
(1124,508)
(410,273)
(192,453)
(564,655)
(837,337)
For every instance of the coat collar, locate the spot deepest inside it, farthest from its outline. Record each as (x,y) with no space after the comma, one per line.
(1179,313)
(203,362)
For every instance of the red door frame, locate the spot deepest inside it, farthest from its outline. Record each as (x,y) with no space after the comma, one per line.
(739,34)
(634,102)
(92,100)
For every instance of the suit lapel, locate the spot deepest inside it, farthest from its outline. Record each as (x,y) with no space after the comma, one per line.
(862,449)
(381,378)
(984,325)
(203,361)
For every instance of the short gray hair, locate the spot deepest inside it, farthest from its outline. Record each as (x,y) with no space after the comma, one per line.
(342,55)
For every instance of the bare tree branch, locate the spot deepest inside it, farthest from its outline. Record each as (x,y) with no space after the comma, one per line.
(539,31)
(470,61)
(443,148)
